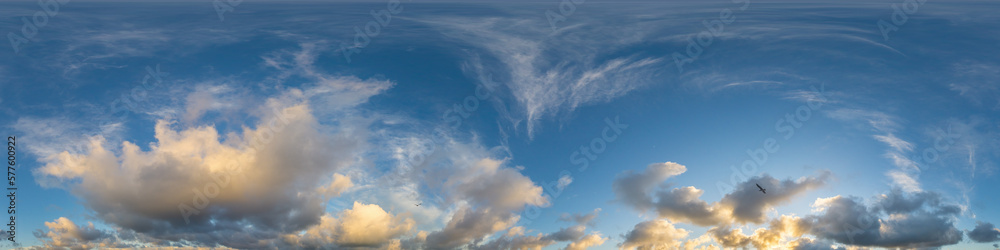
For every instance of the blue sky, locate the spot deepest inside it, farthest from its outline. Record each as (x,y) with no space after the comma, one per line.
(260,124)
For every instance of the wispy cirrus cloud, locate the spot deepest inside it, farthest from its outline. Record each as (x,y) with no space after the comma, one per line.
(551,76)
(885,127)
(975,81)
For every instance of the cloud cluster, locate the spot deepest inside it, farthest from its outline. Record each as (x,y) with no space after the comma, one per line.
(468,225)
(269,185)
(197,186)
(192,186)
(771,236)
(466,192)
(658,234)
(745,204)
(240,189)
(896,219)
(489,195)
(576,235)
(63,233)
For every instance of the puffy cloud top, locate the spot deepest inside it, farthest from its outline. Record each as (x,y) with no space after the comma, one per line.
(191,185)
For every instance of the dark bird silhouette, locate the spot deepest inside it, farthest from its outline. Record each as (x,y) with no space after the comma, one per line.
(418,204)
(761,189)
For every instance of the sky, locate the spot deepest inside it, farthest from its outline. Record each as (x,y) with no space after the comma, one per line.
(501,125)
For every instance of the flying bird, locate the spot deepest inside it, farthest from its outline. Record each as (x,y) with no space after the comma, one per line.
(418,204)
(761,189)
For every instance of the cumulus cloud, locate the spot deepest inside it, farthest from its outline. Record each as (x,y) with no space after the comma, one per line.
(477,188)
(703,242)
(984,232)
(63,233)
(685,205)
(569,233)
(587,242)
(790,225)
(487,183)
(575,235)
(894,221)
(496,193)
(762,238)
(765,239)
(772,236)
(467,225)
(339,184)
(749,205)
(654,234)
(515,231)
(142,190)
(745,204)
(365,225)
(633,188)
(519,242)
(729,237)
(197,185)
